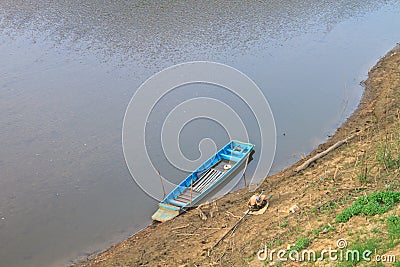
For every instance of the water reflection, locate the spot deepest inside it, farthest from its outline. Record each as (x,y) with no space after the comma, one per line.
(177,31)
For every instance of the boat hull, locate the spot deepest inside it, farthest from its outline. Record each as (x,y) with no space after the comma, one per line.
(205,179)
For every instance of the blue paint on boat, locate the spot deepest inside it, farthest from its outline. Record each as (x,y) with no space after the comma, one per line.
(203,180)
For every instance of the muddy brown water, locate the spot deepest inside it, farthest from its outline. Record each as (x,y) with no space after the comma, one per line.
(68,70)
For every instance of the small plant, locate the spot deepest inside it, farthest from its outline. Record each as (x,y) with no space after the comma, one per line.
(375,203)
(275,243)
(386,157)
(329,227)
(301,243)
(249,259)
(393,226)
(362,176)
(376,230)
(323,229)
(285,224)
(329,206)
(314,209)
(388,154)
(315,232)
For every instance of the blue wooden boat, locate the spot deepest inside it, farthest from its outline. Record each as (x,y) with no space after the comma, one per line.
(203,180)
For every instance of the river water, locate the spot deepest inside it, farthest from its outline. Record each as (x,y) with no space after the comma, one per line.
(68,70)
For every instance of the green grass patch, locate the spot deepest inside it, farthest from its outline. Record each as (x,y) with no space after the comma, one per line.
(376,230)
(274,244)
(285,223)
(388,156)
(301,243)
(393,226)
(375,203)
(249,259)
(353,254)
(323,228)
(328,207)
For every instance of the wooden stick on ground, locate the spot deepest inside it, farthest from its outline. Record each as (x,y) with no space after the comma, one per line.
(233,228)
(210,228)
(323,153)
(186,234)
(180,227)
(230,213)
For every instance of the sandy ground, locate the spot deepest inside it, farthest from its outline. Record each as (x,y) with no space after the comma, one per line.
(320,192)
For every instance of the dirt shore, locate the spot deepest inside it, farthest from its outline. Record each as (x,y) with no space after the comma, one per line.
(320,192)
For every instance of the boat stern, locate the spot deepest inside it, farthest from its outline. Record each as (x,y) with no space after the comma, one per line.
(166,212)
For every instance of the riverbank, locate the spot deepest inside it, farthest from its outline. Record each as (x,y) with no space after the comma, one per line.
(367,163)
